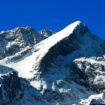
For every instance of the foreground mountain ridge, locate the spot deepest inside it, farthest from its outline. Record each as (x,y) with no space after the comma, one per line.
(65,68)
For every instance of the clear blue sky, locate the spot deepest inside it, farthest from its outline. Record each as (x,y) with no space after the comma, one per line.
(53,14)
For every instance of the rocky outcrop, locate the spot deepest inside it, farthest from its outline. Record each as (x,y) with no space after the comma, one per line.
(10,87)
(46,32)
(97,102)
(88,75)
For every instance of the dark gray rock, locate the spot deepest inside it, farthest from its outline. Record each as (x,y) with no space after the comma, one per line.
(10,87)
(97,102)
(87,74)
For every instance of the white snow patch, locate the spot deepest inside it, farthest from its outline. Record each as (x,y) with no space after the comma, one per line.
(90,98)
(23,67)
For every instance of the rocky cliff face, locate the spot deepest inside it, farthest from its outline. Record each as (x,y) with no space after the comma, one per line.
(10,86)
(66,68)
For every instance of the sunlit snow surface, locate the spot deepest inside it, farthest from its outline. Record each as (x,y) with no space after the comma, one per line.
(75,93)
(25,66)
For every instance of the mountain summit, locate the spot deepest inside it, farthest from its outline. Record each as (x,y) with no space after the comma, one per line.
(48,68)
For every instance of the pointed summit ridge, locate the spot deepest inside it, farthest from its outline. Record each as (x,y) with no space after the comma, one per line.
(66,32)
(62,43)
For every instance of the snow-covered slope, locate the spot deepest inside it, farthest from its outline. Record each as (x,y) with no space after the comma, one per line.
(67,68)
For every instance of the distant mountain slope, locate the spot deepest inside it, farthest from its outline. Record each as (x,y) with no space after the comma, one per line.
(66,68)
(18,39)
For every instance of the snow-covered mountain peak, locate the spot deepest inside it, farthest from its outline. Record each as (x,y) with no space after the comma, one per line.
(76,27)
(66,68)
(64,42)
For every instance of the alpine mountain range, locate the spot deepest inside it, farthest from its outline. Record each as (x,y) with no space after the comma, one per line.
(52,68)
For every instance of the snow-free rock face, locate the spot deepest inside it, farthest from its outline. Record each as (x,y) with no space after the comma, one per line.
(67,68)
(10,86)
